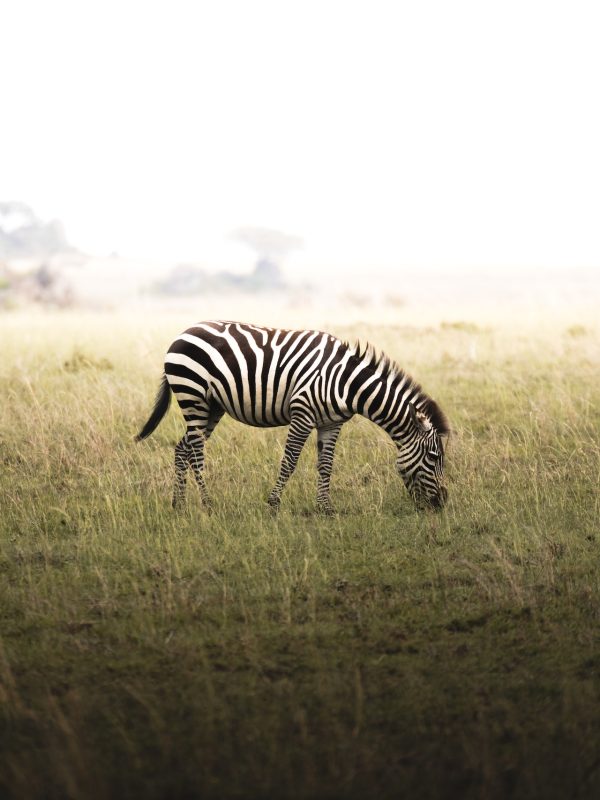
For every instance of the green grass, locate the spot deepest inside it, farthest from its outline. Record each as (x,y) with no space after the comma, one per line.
(380,653)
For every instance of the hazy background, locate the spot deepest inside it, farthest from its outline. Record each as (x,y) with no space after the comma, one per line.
(373,159)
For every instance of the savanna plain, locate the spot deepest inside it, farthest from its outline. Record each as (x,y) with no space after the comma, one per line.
(382,652)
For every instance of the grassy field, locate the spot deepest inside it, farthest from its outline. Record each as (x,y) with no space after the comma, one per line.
(380,653)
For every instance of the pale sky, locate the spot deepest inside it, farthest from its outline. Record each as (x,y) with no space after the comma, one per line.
(385,134)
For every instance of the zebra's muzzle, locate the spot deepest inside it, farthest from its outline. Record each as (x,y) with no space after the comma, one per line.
(435,501)
(438,501)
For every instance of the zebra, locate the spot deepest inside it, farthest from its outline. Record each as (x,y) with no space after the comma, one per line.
(305,379)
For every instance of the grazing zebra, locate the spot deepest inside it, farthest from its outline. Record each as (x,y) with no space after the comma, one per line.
(305,379)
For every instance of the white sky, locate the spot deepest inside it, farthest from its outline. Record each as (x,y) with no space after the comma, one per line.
(384,133)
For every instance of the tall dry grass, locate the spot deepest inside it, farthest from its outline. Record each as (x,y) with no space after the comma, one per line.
(147,653)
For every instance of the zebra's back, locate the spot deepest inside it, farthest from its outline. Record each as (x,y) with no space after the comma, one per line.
(254,373)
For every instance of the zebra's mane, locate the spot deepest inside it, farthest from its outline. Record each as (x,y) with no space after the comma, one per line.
(388,368)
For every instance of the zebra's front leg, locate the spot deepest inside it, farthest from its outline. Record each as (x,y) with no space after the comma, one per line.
(300,428)
(326,441)
(181,466)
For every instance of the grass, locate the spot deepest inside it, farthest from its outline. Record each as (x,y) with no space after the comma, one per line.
(378,653)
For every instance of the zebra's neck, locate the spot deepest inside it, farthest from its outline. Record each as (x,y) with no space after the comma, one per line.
(382,392)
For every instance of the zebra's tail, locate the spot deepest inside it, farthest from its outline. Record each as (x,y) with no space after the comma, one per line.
(161,406)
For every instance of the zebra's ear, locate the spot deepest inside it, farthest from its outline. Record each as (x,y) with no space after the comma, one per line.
(422,421)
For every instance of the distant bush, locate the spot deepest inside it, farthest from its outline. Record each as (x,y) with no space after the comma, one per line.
(467,327)
(79,361)
(576,331)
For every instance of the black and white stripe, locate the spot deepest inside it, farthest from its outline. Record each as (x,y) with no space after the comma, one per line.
(305,379)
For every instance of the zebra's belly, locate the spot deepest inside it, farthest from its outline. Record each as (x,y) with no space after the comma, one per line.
(258,409)
(259,423)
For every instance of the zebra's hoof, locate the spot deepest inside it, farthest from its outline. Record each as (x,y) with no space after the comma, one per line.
(326,510)
(274,506)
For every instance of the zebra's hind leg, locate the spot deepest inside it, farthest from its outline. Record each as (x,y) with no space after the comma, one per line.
(300,428)
(181,466)
(326,441)
(201,417)
(197,437)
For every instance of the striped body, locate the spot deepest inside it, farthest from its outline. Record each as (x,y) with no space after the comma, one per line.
(305,379)
(256,374)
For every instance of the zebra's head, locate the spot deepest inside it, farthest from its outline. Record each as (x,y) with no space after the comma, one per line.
(421,457)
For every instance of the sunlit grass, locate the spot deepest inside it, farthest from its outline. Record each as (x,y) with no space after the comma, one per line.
(378,653)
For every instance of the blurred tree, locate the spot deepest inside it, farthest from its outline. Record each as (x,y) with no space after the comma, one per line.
(271,248)
(24,235)
(269,244)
